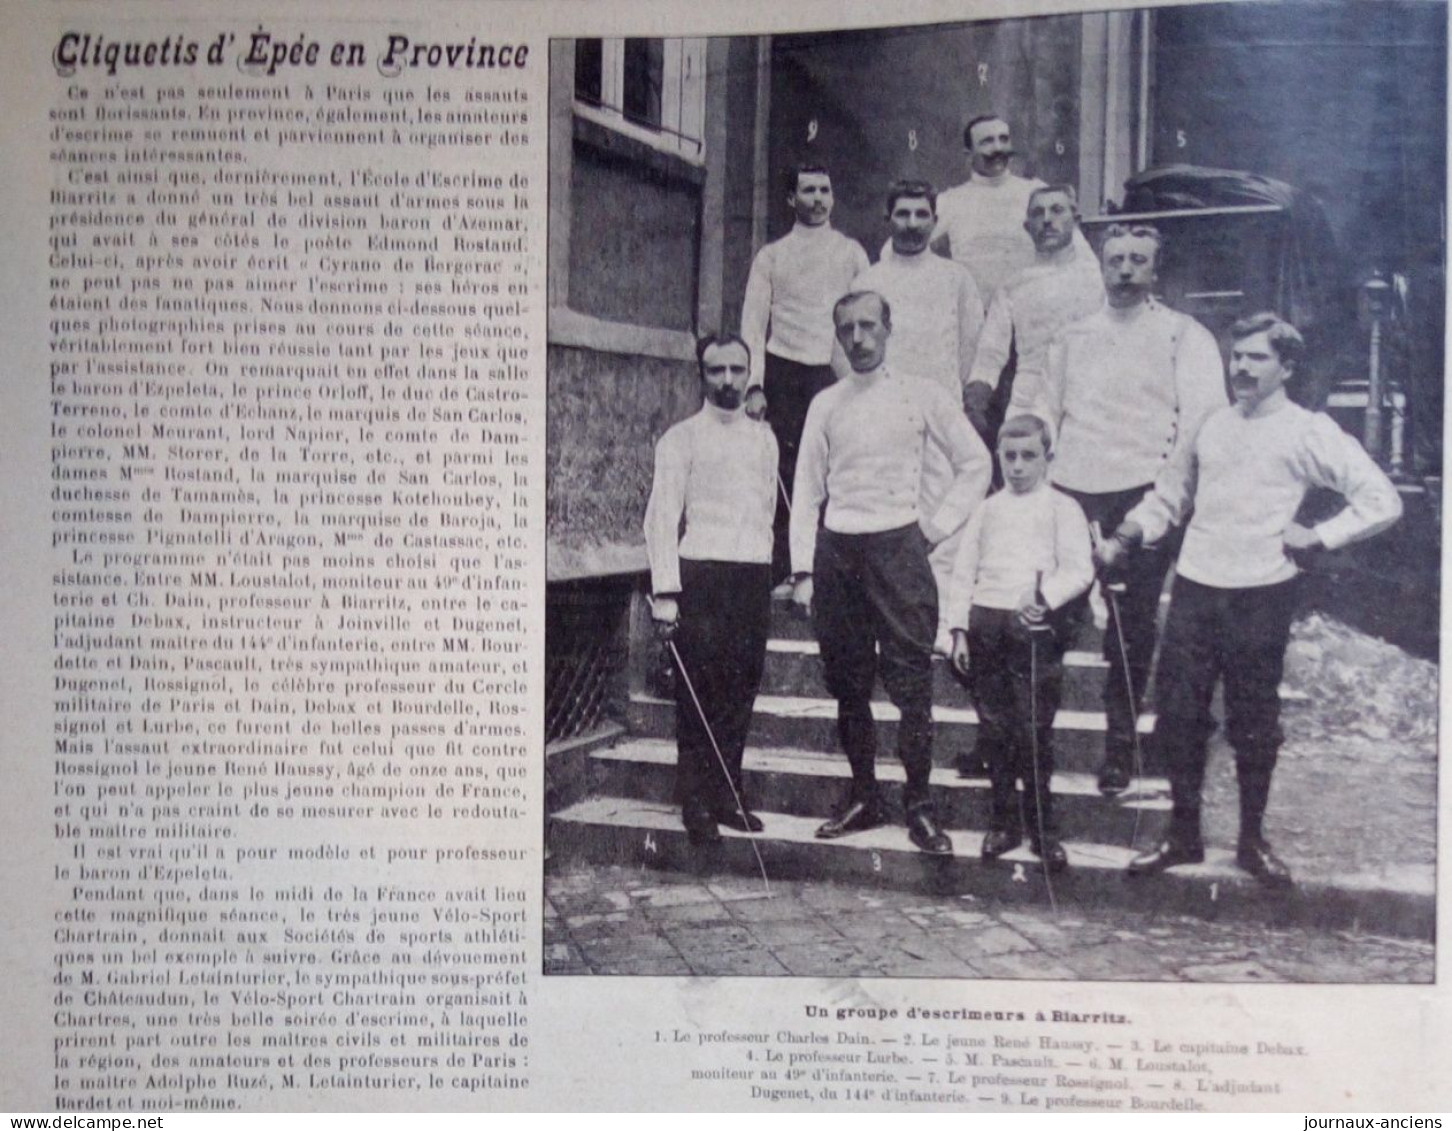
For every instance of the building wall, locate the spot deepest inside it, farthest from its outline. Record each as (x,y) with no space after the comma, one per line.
(606,412)
(880,104)
(637,215)
(644,246)
(739,175)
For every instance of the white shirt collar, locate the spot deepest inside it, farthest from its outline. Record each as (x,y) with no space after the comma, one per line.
(1128,314)
(723,415)
(989,182)
(1061,258)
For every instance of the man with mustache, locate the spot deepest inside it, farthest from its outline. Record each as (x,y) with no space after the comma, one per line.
(1126,389)
(1242,482)
(980,222)
(861,536)
(1062,285)
(711,585)
(937,316)
(786,321)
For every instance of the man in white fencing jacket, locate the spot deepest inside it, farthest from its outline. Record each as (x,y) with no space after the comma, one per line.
(860,543)
(708,536)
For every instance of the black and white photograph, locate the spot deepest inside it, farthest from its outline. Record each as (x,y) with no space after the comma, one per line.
(994,498)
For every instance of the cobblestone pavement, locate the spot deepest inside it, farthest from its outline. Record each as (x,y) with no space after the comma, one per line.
(618,920)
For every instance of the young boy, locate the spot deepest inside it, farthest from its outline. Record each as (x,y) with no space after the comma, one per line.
(1025,556)
(1242,482)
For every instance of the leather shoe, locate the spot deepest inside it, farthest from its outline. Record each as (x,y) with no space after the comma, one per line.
(1052,853)
(859,816)
(999,841)
(700,827)
(1256,857)
(972,766)
(1168,854)
(923,831)
(742,820)
(1114,778)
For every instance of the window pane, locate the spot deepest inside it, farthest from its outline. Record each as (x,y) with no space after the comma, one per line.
(589,70)
(644,71)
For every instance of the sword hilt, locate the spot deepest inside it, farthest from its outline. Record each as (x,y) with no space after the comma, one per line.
(1118,586)
(1042,626)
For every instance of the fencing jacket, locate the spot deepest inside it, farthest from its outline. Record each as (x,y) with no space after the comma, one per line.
(937,314)
(983,221)
(862,454)
(1059,289)
(793,285)
(1125,390)
(717,472)
(1011,541)
(1244,479)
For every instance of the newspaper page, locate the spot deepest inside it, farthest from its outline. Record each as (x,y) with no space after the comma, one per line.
(421,694)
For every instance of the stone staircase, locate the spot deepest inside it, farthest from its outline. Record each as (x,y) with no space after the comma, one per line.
(620,808)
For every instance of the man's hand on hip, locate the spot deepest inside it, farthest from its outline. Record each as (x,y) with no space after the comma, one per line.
(1298,537)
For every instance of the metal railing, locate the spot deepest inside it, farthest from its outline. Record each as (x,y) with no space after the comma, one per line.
(585,655)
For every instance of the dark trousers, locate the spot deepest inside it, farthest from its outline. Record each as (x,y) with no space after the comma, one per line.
(1238,635)
(875,611)
(1143,575)
(725,610)
(789,387)
(1016,680)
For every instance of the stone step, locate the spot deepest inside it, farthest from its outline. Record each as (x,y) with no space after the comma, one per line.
(787,625)
(793,667)
(648,834)
(810,723)
(807,784)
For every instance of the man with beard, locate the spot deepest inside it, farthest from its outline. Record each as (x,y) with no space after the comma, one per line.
(786,321)
(980,222)
(1061,286)
(1126,389)
(937,316)
(860,545)
(711,585)
(1242,482)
